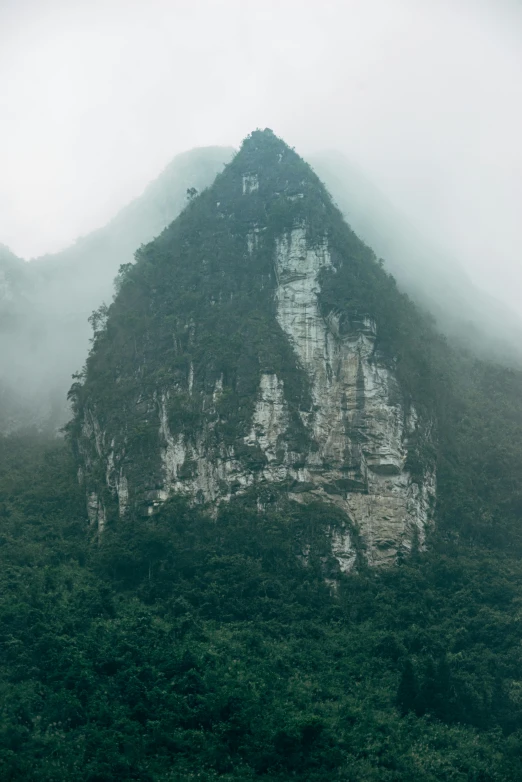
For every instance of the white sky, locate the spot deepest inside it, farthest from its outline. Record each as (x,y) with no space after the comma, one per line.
(97,96)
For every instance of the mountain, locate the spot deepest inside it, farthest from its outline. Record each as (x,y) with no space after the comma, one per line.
(294,549)
(431,275)
(258,352)
(48,339)
(238,359)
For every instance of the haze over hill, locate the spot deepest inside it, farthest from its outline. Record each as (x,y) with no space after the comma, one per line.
(44,332)
(431,274)
(424,97)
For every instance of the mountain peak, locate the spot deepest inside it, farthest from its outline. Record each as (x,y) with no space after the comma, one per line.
(263,140)
(265,155)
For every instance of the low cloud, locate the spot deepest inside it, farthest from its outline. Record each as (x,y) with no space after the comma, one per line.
(425,97)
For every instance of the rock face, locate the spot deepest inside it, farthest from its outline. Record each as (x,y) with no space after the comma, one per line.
(359,424)
(308,408)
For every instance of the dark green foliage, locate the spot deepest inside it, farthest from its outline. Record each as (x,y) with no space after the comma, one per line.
(408,690)
(185,648)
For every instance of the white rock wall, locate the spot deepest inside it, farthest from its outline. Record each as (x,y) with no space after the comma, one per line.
(361,432)
(270,419)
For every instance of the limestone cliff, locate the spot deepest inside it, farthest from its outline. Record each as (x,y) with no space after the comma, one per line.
(243,357)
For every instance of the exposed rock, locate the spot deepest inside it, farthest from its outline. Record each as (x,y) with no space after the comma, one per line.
(358,427)
(270,419)
(96,511)
(250,183)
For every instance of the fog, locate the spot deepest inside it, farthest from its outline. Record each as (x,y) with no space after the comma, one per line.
(411,112)
(45,305)
(426,97)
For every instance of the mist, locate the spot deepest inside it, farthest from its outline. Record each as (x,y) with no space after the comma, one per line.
(425,97)
(45,305)
(410,112)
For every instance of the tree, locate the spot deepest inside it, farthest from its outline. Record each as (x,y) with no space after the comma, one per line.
(407,690)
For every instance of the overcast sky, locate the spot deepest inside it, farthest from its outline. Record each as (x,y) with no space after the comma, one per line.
(96,96)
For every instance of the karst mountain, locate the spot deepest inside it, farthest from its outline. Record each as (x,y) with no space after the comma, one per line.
(258,352)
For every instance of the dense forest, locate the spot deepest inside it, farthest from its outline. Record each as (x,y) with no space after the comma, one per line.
(184,648)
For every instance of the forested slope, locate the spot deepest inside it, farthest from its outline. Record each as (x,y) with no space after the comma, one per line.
(186,648)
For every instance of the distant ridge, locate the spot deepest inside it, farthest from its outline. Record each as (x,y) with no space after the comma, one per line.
(54,295)
(429,274)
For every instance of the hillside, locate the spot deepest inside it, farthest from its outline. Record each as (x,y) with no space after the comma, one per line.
(185,649)
(432,276)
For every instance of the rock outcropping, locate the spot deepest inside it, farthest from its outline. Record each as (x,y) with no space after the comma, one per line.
(309,408)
